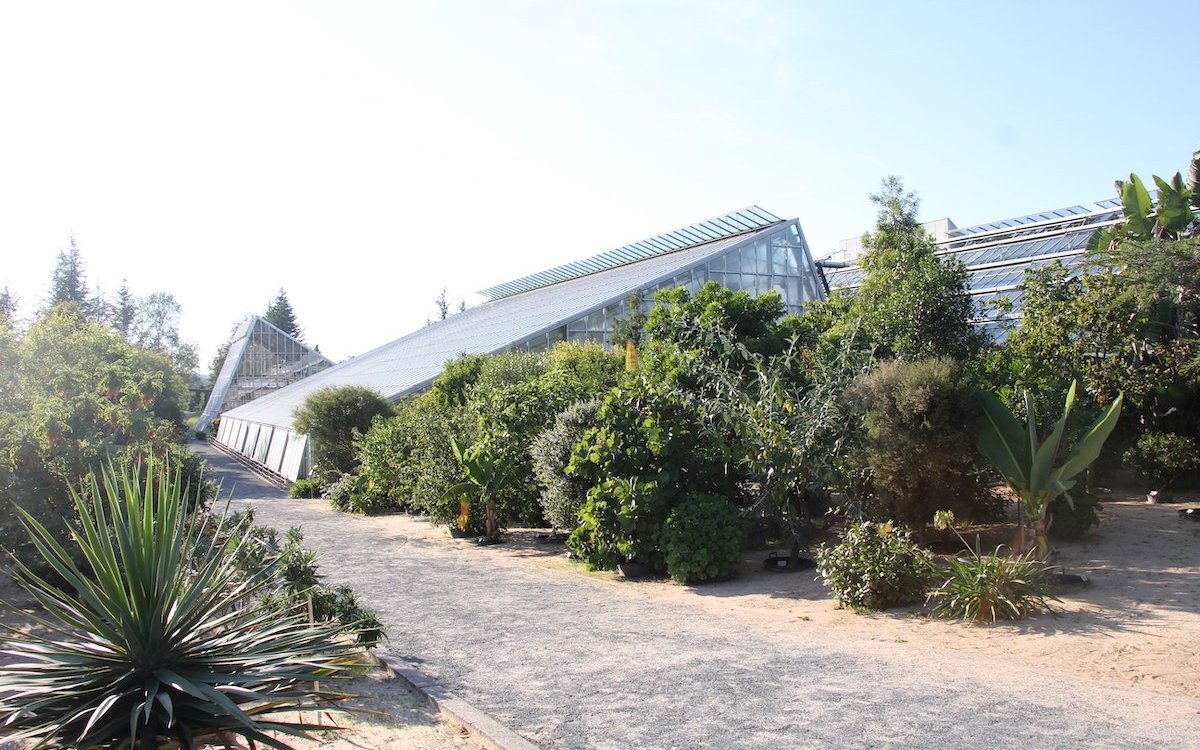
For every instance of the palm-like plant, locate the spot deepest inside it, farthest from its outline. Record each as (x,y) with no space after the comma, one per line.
(486,475)
(151,640)
(1029,465)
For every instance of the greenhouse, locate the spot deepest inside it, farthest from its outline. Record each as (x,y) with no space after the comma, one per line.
(750,249)
(261,359)
(997,254)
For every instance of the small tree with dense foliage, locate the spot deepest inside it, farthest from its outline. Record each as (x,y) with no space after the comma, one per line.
(912,303)
(333,417)
(921,419)
(562,494)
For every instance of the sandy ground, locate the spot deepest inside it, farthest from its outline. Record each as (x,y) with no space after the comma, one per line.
(1138,623)
(1131,639)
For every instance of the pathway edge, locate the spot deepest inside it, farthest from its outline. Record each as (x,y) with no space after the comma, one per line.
(487,730)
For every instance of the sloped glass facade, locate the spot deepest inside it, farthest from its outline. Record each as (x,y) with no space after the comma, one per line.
(261,359)
(774,261)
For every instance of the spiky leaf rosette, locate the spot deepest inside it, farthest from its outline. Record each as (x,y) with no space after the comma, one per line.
(151,638)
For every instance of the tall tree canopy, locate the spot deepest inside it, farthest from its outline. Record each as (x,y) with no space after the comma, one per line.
(281,315)
(912,303)
(156,327)
(69,282)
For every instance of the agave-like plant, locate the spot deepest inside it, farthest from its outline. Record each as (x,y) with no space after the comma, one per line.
(151,639)
(1030,465)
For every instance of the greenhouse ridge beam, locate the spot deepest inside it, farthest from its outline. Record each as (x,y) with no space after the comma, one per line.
(727,225)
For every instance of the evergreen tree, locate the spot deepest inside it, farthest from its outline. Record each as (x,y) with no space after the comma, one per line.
(8,304)
(69,283)
(280,314)
(124,311)
(912,303)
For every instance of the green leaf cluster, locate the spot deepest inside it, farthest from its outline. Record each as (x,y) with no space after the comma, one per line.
(1030,463)
(148,640)
(334,417)
(876,566)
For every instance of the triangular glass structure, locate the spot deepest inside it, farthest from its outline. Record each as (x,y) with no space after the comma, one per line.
(261,360)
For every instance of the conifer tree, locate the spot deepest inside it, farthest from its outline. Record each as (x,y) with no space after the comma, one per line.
(281,315)
(69,283)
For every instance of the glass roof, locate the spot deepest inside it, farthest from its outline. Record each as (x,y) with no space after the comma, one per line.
(718,228)
(410,363)
(1061,213)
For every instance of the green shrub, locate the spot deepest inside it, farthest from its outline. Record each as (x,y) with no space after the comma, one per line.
(149,643)
(299,588)
(702,538)
(648,450)
(875,566)
(333,417)
(1072,520)
(920,419)
(1162,457)
(305,488)
(987,588)
(562,495)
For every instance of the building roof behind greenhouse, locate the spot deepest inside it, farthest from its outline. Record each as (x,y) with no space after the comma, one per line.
(997,254)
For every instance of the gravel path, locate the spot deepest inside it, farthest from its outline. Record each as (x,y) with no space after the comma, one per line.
(572,661)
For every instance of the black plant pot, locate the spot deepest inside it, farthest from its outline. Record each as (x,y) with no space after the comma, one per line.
(633,569)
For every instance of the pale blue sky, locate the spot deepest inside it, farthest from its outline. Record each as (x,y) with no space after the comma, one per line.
(365,154)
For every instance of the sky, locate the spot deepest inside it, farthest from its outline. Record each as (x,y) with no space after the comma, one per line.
(364,156)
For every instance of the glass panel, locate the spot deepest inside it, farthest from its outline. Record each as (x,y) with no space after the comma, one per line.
(717,264)
(747,283)
(749,260)
(762,262)
(595,321)
(779,256)
(792,291)
(733,263)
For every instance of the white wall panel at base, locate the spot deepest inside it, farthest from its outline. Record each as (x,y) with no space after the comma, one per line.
(263,444)
(294,457)
(247,446)
(279,442)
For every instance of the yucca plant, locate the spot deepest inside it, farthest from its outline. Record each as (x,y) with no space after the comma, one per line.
(151,639)
(990,587)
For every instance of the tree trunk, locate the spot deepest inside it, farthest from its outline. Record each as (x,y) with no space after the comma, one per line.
(493,529)
(1040,535)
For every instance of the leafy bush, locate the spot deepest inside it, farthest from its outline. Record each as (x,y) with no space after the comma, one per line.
(920,420)
(1161,457)
(139,647)
(621,521)
(1071,520)
(702,538)
(299,588)
(993,587)
(305,488)
(875,566)
(333,417)
(73,396)
(345,494)
(562,495)
(407,461)
(648,450)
